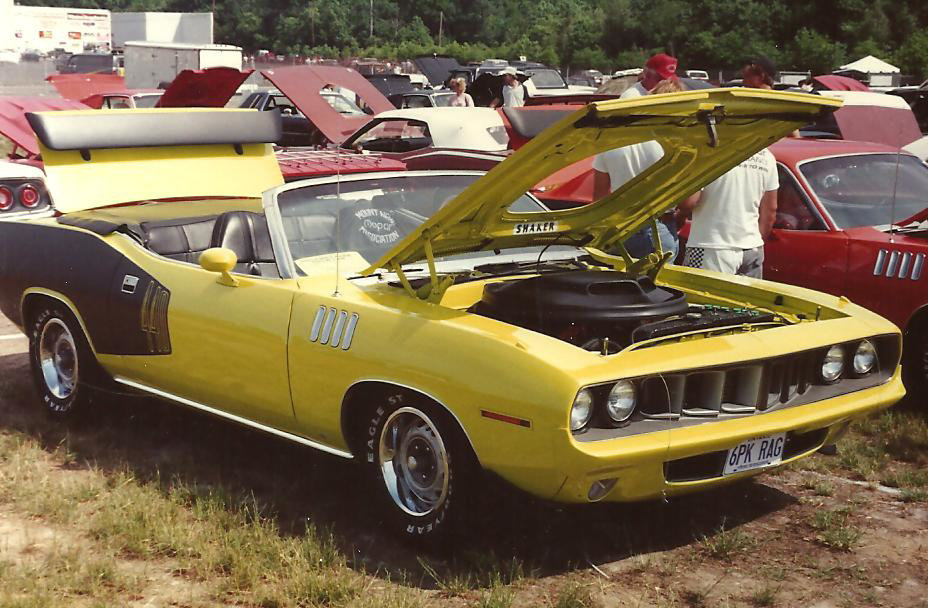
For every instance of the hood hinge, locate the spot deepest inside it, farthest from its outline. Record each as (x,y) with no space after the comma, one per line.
(435,288)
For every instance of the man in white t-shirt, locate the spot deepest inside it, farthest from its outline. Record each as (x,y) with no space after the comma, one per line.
(513,91)
(612,169)
(659,67)
(732,216)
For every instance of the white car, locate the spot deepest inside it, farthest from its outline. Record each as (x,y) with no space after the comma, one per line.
(398,131)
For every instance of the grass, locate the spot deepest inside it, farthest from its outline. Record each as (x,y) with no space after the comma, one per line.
(725,543)
(874,443)
(228,544)
(574,595)
(835,530)
(473,570)
(914,495)
(764,597)
(890,448)
(819,487)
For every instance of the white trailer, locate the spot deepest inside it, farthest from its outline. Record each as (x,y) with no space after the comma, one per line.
(149,64)
(188,28)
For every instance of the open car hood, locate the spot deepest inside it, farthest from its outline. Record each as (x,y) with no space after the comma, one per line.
(81,86)
(209,88)
(436,68)
(302,84)
(703,133)
(13,123)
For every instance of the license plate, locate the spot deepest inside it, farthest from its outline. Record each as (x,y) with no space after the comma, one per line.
(754,454)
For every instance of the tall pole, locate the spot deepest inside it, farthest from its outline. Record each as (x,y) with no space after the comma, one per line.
(441,23)
(372,20)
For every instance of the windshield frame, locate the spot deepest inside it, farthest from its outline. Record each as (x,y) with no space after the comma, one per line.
(817,198)
(286,264)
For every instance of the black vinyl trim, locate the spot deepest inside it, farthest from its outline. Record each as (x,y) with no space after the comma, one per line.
(90,273)
(92,130)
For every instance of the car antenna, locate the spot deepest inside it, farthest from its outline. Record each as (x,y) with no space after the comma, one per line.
(338,200)
(892,209)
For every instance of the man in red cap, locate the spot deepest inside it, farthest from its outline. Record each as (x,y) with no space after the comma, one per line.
(659,67)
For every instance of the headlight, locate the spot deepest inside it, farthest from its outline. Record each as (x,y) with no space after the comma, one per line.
(864,358)
(833,364)
(621,401)
(581,410)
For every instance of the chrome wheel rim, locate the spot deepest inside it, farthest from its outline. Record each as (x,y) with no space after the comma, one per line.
(58,359)
(414,462)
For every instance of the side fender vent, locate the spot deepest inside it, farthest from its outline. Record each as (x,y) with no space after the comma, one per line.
(333,327)
(154,319)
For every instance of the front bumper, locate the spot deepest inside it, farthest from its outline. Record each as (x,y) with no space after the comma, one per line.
(690,456)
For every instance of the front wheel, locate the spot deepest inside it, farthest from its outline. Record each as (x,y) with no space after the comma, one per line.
(61,361)
(419,466)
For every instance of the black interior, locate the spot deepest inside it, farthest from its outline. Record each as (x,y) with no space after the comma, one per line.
(182,240)
(247,235)
(243,232)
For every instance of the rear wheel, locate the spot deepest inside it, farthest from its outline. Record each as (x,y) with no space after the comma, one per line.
(62,362)
(419,466)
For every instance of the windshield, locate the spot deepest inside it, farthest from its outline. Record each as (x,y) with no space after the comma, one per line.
(547,79)
(392,135)
(342,104)
(858,190)
(147,101)
(442,100)
(362,220)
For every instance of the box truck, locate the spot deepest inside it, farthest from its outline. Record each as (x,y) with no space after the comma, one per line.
(149,64)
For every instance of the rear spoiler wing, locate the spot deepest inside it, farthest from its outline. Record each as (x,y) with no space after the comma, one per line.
(99,158)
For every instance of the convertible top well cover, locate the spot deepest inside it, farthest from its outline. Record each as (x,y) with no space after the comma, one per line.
(703,133)
(150,154)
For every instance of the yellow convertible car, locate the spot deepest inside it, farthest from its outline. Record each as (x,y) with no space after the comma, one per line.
(433,325)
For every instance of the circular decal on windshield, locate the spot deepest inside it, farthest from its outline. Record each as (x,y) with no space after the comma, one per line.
(377,226)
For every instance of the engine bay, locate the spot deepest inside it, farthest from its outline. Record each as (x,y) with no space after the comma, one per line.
(604,312)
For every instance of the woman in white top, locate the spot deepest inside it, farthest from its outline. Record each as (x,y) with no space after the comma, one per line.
(460,99)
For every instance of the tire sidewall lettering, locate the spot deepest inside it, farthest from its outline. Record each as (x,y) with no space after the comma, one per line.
(414,526)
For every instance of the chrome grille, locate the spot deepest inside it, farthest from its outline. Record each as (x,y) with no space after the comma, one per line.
(741,390)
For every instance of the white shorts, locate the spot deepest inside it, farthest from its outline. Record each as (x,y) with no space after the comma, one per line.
(746,262)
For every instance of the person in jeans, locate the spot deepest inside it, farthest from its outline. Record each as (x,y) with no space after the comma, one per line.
(613,168)
(731,218)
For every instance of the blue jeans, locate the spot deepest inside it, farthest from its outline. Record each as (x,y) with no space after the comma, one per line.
(639,244)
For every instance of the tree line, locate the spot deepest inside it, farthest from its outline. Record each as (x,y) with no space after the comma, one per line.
(572,34)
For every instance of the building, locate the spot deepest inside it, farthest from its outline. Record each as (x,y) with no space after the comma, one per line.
(46,28)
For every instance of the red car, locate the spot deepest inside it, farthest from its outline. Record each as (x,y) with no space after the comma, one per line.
(852,220)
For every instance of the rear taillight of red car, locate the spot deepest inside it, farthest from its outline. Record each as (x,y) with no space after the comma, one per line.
(6,198)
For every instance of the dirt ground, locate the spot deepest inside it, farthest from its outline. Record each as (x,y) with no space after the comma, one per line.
(759,543)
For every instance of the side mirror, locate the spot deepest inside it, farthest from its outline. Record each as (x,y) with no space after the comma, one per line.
(221,260)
